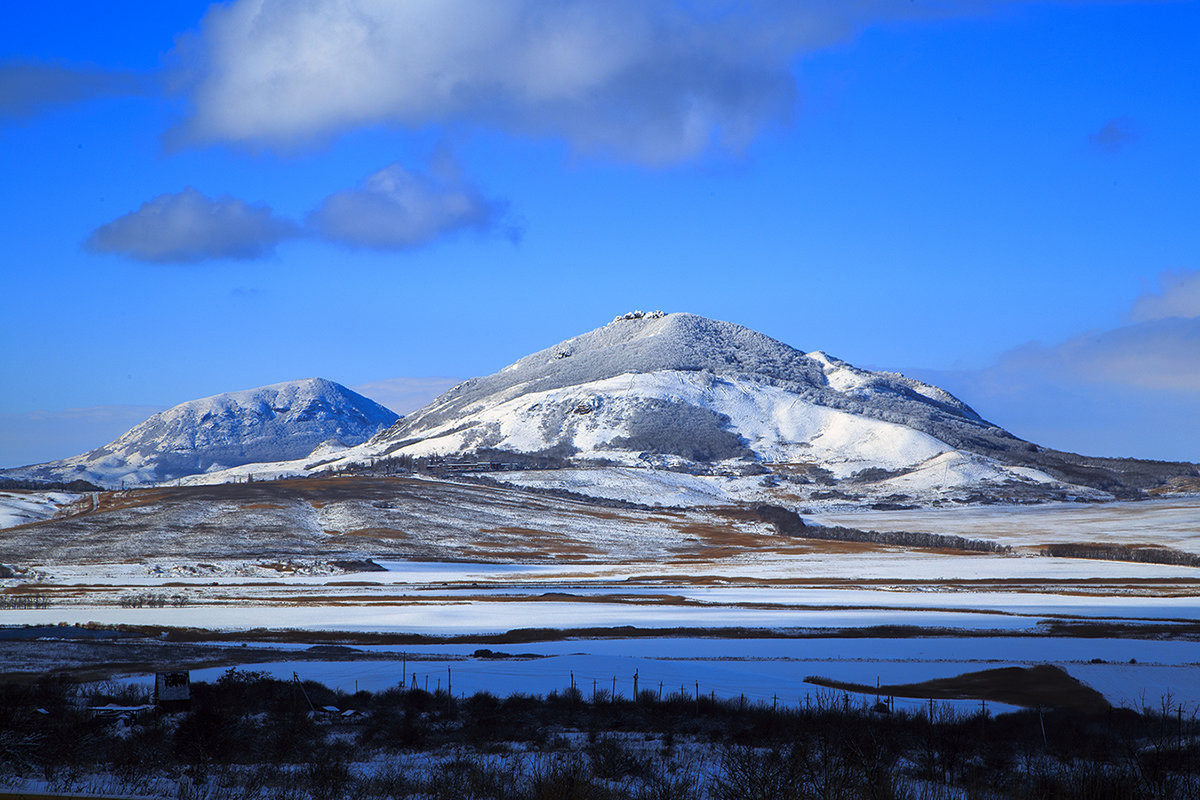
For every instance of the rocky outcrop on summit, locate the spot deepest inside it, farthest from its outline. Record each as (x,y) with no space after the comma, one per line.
(273,423)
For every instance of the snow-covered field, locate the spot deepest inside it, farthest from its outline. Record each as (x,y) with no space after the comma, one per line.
(19,508)
(1172,522)
(937,613)
(486,599)
(945,573)
(483,616)
(839,629)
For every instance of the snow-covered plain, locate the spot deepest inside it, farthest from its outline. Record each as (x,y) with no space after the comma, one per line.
(913,572)
(1168,521)
(19,508)
(446,598)
(905,632)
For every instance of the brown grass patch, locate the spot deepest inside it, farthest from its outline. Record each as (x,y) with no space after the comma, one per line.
(517,530)
(534,541)
(604,513)
(1032,687)
(373,533)
(724,541)
(263,506)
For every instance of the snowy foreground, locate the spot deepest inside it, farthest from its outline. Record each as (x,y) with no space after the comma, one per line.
(753,616)
(20,508)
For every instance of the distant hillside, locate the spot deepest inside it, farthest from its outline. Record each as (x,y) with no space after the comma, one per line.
(272,423)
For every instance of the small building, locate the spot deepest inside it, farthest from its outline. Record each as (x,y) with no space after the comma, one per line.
(172,691)
(113,713)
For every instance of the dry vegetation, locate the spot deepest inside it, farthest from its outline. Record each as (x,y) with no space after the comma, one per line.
(1043,685)
(249,736)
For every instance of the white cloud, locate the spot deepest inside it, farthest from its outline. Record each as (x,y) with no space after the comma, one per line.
(399,209)
(650,82)
(38,436)
(188,227)
(1133,390)
(1178,297)
(1162,354)
(392,209)
(405,395)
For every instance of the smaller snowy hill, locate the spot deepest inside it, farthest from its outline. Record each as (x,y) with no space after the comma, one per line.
(280,422)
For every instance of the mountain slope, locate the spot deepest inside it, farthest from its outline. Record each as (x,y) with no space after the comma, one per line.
(699,389)
(271,423)
(690,393)
(688,343)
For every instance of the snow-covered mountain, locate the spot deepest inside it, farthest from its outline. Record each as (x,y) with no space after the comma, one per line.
(280,422)
(699,389)
(701,396)
(658,408)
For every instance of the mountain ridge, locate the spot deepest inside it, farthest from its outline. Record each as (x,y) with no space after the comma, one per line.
(678,392)
(700,367)
(280,421)
(686,343)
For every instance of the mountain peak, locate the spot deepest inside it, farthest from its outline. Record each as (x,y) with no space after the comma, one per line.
(653,343)
(279,422)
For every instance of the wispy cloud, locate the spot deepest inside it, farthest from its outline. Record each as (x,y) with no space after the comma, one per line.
(1115,135)
(1121,391)
(30,87)
(189,226)
(1160,354)
(654,83)
(38,436)
(1178,296)
(400,209)
(405,395)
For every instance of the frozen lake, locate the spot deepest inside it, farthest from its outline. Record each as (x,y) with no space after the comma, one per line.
(763,670)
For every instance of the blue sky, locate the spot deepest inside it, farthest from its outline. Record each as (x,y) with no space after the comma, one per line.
(1001,197)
